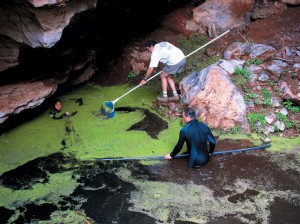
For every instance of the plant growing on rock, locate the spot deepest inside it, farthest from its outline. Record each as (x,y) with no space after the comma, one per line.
(290,107)
(256,120)
(255,61)
(288,123)
(244,72)
(271,83)
(249,96)
(199,60)
(234,130)
(131,74)
(266,97)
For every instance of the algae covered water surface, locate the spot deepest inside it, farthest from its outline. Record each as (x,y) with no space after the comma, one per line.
(49,173)
(87,135)
(28,150)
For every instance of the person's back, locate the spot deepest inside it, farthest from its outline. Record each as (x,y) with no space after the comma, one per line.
(172,58)
(166,53)
(196,139)
(196,135)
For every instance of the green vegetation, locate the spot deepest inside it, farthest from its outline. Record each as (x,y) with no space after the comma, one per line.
(282,73)
(239,80)
(255,61)
(234,130)
(202,38)
(154,198)
(288,123)
(60,184)
(244,72)
(90,136)
(198,60)
(266,97)
(276,128)
(293,75)
(249,96)
(271,83)
(254,118)
(96,138)
(246,89)
(290,107)
(131,74)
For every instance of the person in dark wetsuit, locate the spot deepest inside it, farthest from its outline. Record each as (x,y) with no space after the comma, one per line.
(196,135)
(70,136)
(55,109)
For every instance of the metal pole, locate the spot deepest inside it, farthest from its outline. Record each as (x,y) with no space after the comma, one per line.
(161,71)
(207,43)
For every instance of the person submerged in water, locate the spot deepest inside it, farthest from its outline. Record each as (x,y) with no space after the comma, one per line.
(196,135)
(56,108)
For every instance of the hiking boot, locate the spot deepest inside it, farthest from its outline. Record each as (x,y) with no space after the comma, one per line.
(162,99)
(174,98)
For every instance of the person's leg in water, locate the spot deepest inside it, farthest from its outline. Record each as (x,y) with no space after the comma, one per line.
(197,158)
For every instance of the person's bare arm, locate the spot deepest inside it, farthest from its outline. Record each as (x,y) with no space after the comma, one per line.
(148,74)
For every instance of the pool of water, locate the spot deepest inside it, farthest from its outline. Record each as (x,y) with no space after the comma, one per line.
(52,170)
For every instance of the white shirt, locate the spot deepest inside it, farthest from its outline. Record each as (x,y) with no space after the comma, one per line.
(166,53)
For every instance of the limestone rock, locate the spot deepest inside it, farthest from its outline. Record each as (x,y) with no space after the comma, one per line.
(246,51)
(35,27)
(218,16)
(18,97)
(218,101)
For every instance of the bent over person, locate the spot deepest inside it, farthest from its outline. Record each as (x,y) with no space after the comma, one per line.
(197,135)
(173,60)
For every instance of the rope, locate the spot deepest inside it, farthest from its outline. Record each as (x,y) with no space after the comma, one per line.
(184,155)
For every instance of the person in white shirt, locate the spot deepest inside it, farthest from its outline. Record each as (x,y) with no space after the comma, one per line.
(172,58)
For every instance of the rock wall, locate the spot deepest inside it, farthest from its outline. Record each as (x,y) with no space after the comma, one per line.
(38,26)
(23,23)
(33,50)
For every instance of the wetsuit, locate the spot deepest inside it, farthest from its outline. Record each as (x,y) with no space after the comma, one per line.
(196,135)
(53,112)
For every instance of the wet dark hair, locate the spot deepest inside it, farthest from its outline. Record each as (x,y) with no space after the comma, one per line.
(56,100)
(190,112)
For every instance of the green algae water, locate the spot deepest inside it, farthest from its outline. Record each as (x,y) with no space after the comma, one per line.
(89,135)
(86,136)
